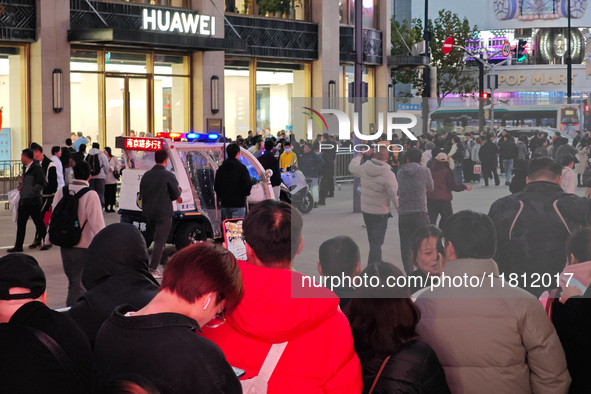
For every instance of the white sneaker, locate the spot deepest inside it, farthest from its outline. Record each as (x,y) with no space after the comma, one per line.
(156,273)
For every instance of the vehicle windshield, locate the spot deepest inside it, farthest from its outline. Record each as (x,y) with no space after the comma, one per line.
(252,171)
(141,160)
(201,166)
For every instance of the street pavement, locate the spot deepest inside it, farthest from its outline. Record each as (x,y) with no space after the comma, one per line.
(334,219)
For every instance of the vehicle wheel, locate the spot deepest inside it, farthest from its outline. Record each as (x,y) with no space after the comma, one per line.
(188,234)
(306,205)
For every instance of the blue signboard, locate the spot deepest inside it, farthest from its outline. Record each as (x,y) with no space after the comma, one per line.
(5,143)
(409,107)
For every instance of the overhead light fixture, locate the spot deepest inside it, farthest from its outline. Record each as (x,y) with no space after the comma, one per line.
(215,99)
(58,90)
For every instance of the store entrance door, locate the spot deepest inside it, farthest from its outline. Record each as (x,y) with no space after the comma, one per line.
(127,106)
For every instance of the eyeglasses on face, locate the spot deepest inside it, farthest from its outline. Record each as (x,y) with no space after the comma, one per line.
(217,320)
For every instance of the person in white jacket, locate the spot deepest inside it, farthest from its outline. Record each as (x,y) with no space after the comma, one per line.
(56,154)
(568,181)
(379,192)
(90,215)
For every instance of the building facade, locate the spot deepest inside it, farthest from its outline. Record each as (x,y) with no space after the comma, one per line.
(110,68)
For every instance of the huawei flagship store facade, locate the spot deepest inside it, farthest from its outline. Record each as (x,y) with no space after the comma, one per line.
(112,68)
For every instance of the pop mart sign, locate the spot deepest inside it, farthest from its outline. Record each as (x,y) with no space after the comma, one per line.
(178,22)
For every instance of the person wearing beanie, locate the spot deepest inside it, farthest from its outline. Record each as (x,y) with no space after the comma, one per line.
(32,335)
(439,200)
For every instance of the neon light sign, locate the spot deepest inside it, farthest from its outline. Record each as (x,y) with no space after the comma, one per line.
(150,144)
(178,22)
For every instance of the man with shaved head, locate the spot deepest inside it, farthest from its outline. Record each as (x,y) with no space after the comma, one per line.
(379,192)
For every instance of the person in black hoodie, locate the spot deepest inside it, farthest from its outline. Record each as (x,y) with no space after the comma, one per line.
(232,184)
(115,273)
(383,321)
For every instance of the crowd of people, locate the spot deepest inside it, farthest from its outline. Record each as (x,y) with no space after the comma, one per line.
(216,324)
(212,312)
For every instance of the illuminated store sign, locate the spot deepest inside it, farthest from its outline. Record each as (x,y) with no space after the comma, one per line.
(178,22)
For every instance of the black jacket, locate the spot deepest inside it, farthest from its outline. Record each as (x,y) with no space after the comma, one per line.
(572,321)
(530,230)
(232,184)
(508,150)
(488,154)
(32,185)
(165,348)
(26,364)
(310,164)
(158,188)
(414,368)
(50,177)
(115,273)
(269,162)
(77,157)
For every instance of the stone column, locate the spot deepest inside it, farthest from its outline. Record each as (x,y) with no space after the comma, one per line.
(205,65)
(50,51)
(384,25)
(326,68)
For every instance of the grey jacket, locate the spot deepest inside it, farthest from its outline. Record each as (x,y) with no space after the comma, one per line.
(32,185)
(104,163)
(158,188)
(413,182)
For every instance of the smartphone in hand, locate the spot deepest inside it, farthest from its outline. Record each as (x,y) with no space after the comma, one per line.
(234,238)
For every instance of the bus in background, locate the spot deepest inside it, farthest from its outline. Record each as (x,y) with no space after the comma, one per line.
(564,117)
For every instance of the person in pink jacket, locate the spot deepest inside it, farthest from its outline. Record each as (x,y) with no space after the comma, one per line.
(90,215)
(319,356)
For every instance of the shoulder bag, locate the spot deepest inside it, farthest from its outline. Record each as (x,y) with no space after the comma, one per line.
(375,381)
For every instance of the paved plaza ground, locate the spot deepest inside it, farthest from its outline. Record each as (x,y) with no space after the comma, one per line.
(336,218)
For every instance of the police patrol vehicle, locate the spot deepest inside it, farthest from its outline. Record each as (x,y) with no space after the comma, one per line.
(194,159)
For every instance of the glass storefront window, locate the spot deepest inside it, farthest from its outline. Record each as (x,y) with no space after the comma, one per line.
(237,101)
(163,3)
(13,132)
(287,9)
(274,90)
(112,95)
(84,103)
(83,60)
(131,63)
(171,84)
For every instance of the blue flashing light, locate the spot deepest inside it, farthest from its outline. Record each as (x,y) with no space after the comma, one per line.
(213,136)
(192,135)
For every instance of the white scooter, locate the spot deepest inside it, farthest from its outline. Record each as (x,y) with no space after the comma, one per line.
(295,189)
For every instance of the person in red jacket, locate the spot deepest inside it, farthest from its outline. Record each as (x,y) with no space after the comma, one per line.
(439,200)
(319,356)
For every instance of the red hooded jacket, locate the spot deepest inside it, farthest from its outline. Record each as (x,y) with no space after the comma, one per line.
(320,356)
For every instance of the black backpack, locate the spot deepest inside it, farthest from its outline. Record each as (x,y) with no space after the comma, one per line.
(64,228)
(95,164)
